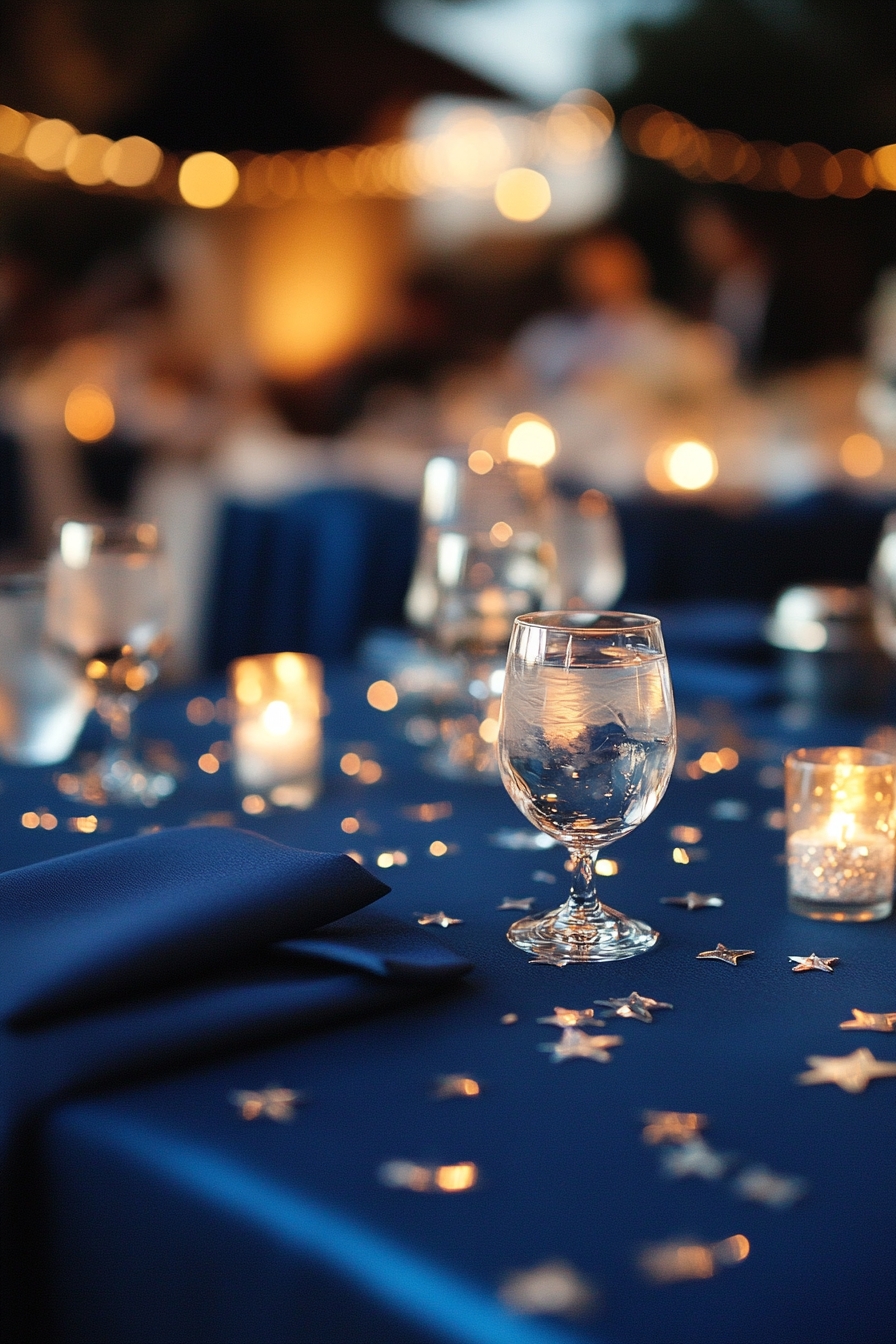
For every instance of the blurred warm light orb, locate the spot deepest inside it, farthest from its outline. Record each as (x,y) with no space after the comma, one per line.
(89,413)
(522,194)
(319,283)
(480,461)
(14,128)
(47,143)
(530,440)
(207,180)
(132,162)
(861,456)
(382,695)
(884,160)
(689,465)
(84,157)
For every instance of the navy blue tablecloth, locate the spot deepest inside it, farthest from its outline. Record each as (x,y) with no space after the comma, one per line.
(164,1216)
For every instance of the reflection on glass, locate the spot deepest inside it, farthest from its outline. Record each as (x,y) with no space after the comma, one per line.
(586,749)
(108,606)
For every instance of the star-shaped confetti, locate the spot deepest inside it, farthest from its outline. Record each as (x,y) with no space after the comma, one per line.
(523,903)
(551,1289)
(400,1174)
(692,900)
(575,1044)
(678,1260)
(869,1021)
(635,1006)
(851,1072)
(726,954)
(695,1158)
(672,1126)
(438,917)
(571,1017)
(455,1085)
(274,1103)
(814,963)
(548,958)
(764,1186)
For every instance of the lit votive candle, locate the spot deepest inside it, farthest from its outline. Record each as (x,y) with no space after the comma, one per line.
(277,736)
(841,833)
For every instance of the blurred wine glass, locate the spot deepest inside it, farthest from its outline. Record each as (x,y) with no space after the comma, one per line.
(588,544)
(43,701)
(586,748)
(109,608)
(485,557)
(883,586)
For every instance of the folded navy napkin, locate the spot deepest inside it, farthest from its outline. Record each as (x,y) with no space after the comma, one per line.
(139,954)
(135,914)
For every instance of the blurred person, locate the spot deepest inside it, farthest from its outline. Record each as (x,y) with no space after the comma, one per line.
(614,320)
(734,270)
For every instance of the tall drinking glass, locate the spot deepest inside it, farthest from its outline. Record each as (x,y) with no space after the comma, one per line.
(109,607)
(586,748)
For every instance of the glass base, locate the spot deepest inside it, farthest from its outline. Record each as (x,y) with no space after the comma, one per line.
(596,936)
(840,912)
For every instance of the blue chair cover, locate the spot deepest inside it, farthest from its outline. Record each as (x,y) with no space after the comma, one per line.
(310,572)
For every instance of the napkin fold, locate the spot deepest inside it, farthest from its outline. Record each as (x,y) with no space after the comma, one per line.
(135,914)
(143,953)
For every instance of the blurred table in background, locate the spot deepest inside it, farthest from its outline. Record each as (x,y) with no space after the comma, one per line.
(316,571)
(166,1216)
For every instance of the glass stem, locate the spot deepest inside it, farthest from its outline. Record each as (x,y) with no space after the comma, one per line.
(584,902)
(583,898)
(115,711)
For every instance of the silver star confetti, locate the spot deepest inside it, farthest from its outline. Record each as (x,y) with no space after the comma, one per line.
(726,954)
(814,963)
(672,1126)
(763,1186)
(571,1017)
(550,959)
(635,1006)
(551,1289)
(575,1044)
(692,900)
(400,1174)
(869,1021)
(523,903)
(851,1072)
(439,917)
(695,1158)
(274,1103)
(455,1085)
(678,1260)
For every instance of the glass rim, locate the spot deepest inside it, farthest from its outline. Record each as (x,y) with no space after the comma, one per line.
(569,622)
(861,758)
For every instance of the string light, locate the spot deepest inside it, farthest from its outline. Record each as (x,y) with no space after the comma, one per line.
(804,169)
(476,151)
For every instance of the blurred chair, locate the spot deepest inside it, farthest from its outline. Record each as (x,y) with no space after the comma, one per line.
(686,552)
(312,573)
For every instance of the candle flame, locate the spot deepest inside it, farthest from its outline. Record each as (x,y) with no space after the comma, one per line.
(841,827)
(277,718)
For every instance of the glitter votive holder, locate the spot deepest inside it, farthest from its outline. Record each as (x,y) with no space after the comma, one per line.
(277,738)
(841,833)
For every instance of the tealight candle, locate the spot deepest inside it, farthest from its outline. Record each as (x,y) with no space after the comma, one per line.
(841,833)
(277,734)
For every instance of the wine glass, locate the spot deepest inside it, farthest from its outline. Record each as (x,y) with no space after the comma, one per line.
(585,748)
(109,607)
